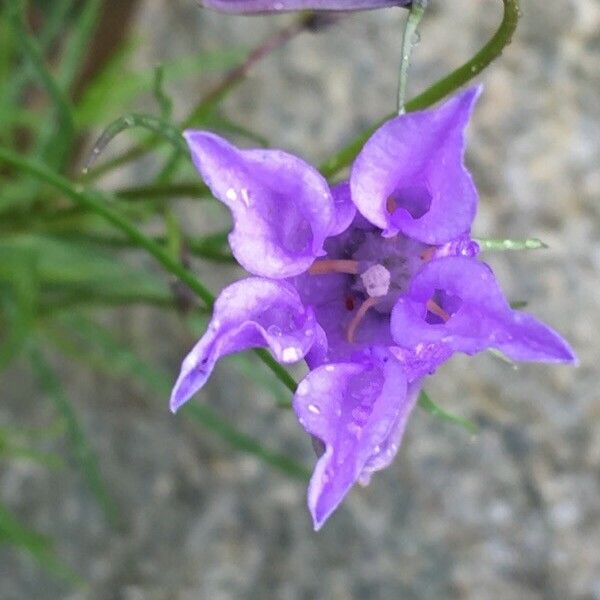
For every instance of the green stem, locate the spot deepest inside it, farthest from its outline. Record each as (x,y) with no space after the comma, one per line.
(438,90)
(149,192)
(409,41)
(100,204)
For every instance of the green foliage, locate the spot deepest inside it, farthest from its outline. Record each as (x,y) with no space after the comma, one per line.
(38,546)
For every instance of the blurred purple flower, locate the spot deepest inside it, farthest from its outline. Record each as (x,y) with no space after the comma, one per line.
(372,300)
(266,6)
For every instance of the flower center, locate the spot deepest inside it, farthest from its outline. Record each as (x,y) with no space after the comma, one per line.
(386,266)
(379,270)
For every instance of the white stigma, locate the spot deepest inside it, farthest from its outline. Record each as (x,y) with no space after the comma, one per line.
(376,280)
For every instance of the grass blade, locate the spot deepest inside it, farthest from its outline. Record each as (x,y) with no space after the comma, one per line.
(493,245)
(36,545)
(428,405)
(81,448)
(66,129)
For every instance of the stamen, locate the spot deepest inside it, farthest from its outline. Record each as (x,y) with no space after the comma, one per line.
(359,316)
(428,253)
(391,205)
(437,310)
(326,266)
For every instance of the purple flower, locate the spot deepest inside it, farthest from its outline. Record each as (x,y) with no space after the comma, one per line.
(374,282)
(266,6)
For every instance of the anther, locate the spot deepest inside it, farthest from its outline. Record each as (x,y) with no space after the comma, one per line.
(436,309)
(359,316)
(324,267)
(428,253)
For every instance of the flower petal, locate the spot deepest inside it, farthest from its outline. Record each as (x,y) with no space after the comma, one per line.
(345,210)
(250,313)
(282,207)
(265,6)
(389,448)
(479,315)
(353,408)
(410,176)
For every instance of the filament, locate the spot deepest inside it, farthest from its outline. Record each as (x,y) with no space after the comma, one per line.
(437,310)
(324,267)
(359,316)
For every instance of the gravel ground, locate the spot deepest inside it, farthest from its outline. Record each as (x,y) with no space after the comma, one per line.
(512,513)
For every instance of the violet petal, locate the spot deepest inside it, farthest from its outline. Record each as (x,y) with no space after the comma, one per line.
(480,316)
(251,313)
(410,176)
(352,408)
(345,210)
(389,448)
(282,207)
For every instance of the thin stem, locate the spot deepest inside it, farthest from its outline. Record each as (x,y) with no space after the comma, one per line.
(438,90)
(192,189)
(409,41)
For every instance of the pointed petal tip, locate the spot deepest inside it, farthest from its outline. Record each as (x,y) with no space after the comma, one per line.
(317,524)
(177,401)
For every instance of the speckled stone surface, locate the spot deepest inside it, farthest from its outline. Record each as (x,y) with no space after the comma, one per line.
(512,513)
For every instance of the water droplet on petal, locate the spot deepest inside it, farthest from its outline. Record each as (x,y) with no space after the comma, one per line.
(314,409)
(291,354)
(231,194)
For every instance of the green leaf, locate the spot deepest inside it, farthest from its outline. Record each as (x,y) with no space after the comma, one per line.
(19,292)
(60,134)
(35,544)
(81,448)
(76,266)
(428,405)
(164,102)
(124,84)
(495,245)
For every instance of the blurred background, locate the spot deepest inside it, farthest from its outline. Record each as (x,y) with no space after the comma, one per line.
(106,495)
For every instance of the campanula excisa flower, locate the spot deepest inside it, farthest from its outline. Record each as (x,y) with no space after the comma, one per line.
(374,282)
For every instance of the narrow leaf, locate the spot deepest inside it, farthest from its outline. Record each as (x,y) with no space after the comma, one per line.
(82,450)
(428,405)
(37,545)
(496,245)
